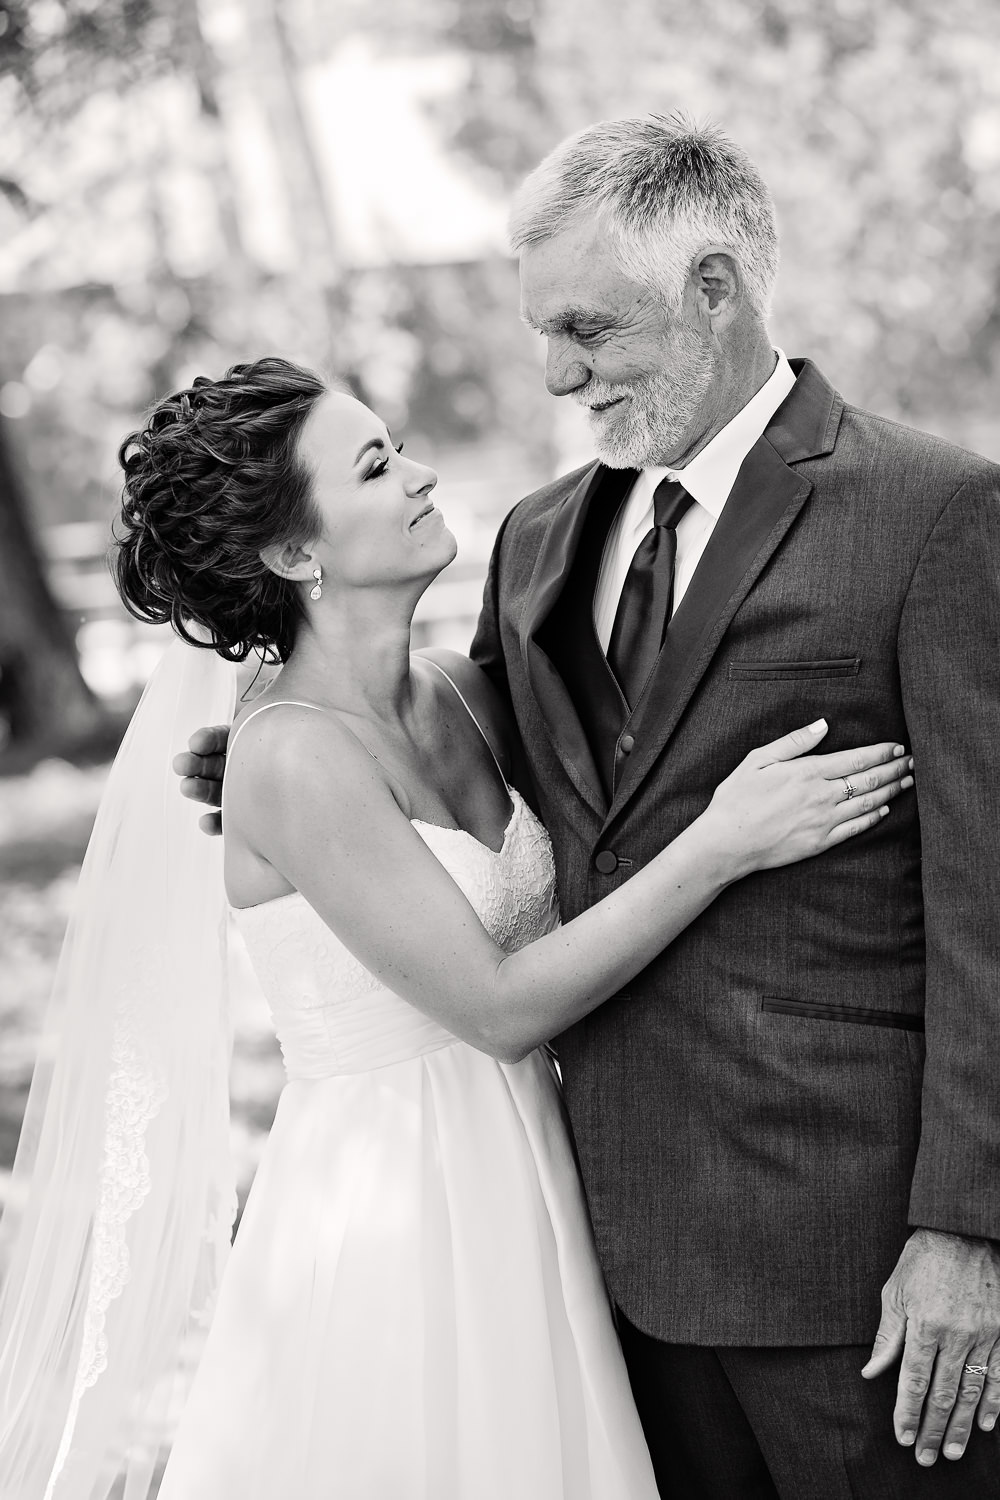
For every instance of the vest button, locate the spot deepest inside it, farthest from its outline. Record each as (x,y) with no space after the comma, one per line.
(606,862)
(627,743)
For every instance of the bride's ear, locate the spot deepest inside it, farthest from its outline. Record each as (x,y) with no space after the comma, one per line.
(288,561)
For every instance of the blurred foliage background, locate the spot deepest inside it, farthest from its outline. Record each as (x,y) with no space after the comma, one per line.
(187,183)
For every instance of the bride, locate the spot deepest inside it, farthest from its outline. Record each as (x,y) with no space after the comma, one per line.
(413,1307)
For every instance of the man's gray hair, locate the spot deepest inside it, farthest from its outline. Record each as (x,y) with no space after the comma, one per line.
(662,188)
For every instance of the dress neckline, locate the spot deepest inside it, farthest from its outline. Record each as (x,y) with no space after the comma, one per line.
(516,802)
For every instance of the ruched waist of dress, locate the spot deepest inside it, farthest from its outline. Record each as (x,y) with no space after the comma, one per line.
(322,1042)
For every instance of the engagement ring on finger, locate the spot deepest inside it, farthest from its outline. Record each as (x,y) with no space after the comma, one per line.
(978,1369)
(848,789)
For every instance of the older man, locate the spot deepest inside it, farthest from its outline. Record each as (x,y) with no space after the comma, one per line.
(799,1100)
(797,1104)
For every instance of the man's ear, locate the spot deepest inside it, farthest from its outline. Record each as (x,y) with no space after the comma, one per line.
(715,288)
(288,560)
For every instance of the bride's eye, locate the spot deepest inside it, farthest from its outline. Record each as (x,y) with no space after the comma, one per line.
(378,469)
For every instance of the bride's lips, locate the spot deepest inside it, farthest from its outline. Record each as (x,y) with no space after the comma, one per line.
(428,510)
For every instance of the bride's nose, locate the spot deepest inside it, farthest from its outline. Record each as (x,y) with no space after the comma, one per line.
(421,481)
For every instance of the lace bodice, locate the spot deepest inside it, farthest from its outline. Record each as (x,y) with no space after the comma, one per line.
(331,1014)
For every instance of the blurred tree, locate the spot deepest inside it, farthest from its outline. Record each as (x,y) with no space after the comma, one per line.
(133,340)
(877,127)
(54,56)
(277,67)
(45,705)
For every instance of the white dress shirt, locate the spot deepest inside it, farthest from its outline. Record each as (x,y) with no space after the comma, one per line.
(708,479)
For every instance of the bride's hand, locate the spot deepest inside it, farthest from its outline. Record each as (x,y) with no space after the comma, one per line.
(783,804)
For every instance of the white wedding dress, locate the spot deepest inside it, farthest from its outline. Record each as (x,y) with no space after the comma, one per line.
(413,1308)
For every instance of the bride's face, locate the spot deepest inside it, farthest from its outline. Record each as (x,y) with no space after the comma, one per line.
(380,524)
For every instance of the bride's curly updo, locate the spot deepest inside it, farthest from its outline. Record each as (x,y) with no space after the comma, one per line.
(211,480)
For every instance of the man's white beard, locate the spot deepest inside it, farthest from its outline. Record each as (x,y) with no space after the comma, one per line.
(647,428)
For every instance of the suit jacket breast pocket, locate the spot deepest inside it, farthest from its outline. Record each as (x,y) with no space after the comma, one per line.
(791,671)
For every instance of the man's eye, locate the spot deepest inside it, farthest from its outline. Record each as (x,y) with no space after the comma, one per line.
(398,447)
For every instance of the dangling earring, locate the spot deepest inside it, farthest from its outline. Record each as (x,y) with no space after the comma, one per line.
(317,592)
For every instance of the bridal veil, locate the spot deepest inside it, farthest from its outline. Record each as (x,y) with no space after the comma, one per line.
(122,1198)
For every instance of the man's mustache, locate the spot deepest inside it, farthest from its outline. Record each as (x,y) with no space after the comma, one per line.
(597,395)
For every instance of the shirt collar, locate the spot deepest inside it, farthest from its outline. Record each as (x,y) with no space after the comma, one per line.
(711,474)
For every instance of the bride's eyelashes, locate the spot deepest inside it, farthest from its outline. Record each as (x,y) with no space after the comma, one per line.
(379,468)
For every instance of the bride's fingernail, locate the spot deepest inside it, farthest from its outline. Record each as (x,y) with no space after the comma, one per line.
(899,750)
(819,724)
(906,781)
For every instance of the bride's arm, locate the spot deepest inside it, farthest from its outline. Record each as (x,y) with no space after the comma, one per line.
(313,804)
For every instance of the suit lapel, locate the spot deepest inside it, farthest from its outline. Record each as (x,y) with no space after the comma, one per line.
(549,577)
(764,502)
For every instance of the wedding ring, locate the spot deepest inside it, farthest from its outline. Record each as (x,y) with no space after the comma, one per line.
(848,789)
(978,1369)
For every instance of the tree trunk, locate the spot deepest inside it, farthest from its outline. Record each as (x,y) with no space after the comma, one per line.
(44,702)
(317,285)
(277,74)
(200,58)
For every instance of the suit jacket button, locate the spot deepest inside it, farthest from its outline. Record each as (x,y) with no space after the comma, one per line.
(627,743)
(607,862)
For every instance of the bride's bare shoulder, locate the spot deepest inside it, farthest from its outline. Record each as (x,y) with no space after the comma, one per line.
(285,746)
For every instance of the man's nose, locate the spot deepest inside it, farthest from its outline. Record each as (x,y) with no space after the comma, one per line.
(565,370)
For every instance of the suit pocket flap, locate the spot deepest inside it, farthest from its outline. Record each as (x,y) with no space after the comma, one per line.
(858,1015)
(834,666)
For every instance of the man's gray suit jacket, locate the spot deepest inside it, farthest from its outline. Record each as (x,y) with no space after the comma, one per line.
(814,1064)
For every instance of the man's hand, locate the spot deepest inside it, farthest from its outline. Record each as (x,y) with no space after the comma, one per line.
(941,1309)
(201,769)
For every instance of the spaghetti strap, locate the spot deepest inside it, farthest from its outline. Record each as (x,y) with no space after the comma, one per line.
(468,710)
(280,703)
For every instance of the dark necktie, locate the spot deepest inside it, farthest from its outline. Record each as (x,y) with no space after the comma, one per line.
(647,598)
